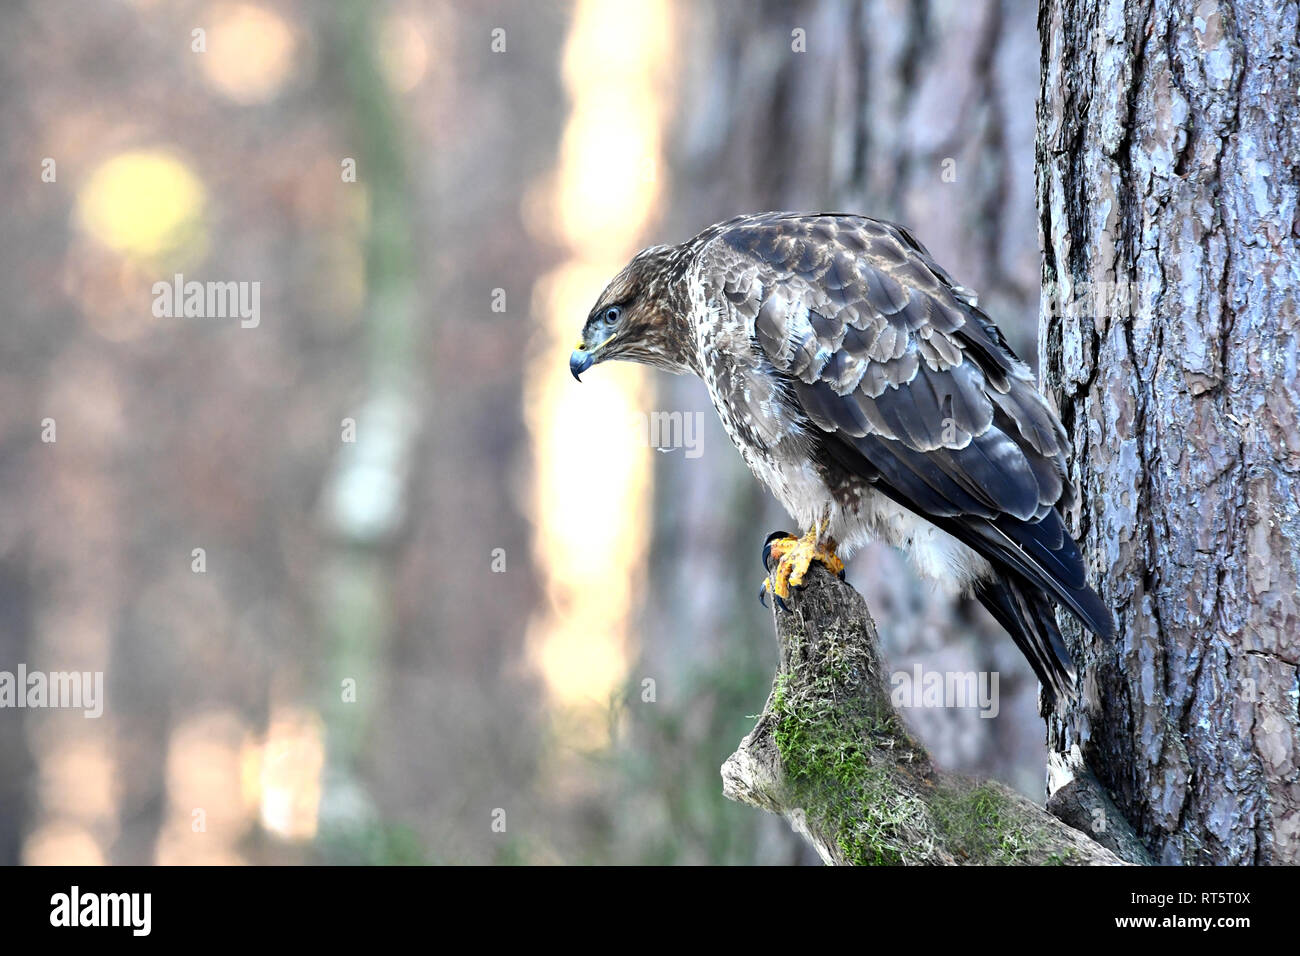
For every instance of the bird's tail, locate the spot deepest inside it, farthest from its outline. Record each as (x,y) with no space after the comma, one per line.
(1029,617)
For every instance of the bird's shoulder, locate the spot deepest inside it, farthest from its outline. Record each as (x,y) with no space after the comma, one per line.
(905,382)
(814,285)
(879,345)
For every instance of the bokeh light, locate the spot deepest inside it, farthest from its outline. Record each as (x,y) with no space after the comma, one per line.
(251,52)
(403,52)
(145,205)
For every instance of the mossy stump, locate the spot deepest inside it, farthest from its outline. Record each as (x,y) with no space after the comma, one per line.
(832,755)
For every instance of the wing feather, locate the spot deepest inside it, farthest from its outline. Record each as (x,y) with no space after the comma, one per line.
(915,389)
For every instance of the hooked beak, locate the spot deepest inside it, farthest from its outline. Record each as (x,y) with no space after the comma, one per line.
(583,358)
(579,361)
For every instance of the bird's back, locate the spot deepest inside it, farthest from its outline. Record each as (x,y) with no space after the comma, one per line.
(900,379)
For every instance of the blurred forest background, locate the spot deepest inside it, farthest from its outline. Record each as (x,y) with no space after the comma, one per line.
(485,622)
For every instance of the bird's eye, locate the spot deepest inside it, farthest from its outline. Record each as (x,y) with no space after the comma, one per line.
(612,314)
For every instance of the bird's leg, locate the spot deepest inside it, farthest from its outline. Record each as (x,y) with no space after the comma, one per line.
(787,559)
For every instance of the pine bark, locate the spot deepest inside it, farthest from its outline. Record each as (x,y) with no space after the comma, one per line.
(1168,167)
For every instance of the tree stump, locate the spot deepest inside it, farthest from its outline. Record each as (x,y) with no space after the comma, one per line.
(832,755)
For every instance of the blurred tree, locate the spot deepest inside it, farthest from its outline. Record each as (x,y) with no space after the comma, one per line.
(365,502)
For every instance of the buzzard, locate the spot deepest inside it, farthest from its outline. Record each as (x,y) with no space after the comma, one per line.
(874,398)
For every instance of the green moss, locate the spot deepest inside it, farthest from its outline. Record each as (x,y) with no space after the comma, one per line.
(983,824)
(847,759)
(829,759)
(860,780)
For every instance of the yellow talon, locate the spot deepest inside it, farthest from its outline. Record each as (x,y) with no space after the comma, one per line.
(793,557)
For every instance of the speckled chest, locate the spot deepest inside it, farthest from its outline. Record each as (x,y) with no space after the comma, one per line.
(775,440)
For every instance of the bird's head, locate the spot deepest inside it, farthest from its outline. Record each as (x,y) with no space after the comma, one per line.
(638,318)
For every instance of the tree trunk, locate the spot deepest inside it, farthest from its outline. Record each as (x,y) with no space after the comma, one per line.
(831,754)
(1168,159)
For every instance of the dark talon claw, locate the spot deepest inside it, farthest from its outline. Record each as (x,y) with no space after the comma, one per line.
(767,547)
(840,574)
(781,604)
(762,594)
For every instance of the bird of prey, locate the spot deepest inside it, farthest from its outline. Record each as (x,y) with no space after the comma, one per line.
(874,398)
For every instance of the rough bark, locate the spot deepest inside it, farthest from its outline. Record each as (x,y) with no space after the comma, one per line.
(1168,161)
(831,754)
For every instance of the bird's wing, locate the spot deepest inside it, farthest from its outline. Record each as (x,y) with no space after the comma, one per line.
(911,386)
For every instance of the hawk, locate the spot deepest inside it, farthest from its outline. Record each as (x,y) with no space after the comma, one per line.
(875,399)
